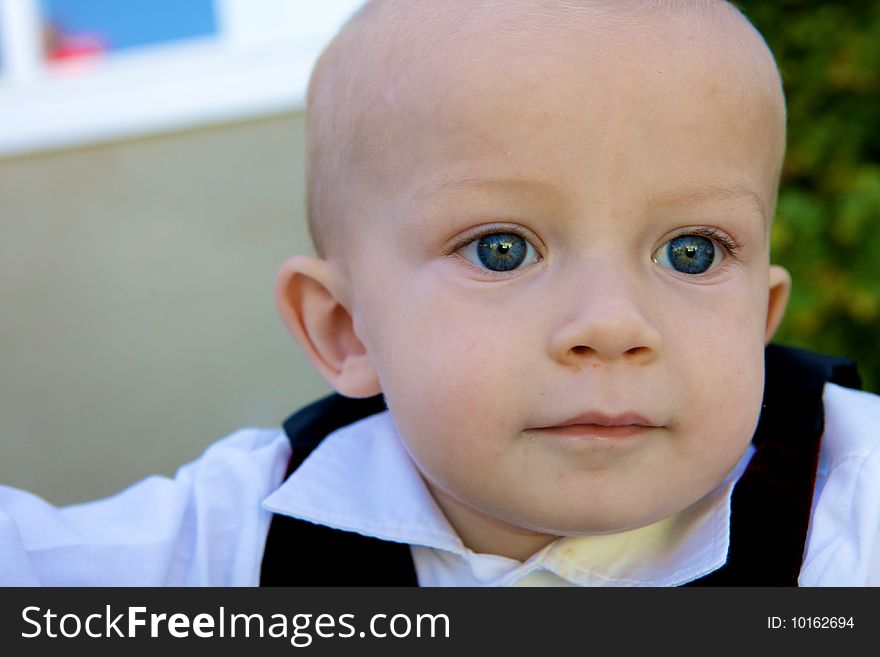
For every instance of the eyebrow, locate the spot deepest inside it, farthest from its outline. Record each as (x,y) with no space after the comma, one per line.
(701,193)
(693,194)
(472,183)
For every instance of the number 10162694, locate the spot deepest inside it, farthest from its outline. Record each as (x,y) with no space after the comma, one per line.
(810,622)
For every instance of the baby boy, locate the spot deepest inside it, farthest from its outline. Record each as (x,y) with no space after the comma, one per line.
(542,230)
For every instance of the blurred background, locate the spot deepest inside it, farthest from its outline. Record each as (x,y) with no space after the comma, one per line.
(151,182)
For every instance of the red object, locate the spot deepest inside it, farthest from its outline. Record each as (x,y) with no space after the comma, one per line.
(63,46)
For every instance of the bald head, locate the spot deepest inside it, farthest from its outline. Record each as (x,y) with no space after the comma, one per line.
(387,75)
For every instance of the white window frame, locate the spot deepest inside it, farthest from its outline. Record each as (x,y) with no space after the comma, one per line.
(258,64)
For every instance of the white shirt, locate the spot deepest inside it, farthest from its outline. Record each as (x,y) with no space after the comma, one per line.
(208,525)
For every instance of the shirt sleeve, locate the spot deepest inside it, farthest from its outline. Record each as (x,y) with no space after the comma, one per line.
(843,548)
(204,527)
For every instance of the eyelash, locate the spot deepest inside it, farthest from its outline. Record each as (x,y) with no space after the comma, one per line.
(729,246)
(484,231)
(726,243)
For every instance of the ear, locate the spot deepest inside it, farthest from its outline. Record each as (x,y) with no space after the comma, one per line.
(310,299)
(780,286)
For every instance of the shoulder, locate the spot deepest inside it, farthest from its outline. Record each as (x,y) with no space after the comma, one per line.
(852,423)
(203,526)
(247,457)
(844,543)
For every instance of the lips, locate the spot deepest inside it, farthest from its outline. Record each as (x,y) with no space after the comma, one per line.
(602,426)
(604,420)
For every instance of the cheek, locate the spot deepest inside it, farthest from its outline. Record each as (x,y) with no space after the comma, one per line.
(456,374)
(718,333)
(448,365)
(423,333)
(721,365)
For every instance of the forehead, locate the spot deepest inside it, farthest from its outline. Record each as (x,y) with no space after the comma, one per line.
(516,98)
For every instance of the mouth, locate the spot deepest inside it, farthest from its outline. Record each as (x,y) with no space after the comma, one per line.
(599,426)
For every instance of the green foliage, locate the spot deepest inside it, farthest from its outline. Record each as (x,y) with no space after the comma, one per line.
(827,226)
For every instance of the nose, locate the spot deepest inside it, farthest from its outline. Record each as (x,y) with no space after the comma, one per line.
(605,321)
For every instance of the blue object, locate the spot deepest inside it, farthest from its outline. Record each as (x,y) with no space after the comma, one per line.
(125,24)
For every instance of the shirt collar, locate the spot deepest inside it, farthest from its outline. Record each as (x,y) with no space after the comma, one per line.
(362,479)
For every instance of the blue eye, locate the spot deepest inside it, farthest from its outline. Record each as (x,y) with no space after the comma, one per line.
(499,251)
(688,254)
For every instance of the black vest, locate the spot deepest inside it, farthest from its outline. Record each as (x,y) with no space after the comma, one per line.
(770,505)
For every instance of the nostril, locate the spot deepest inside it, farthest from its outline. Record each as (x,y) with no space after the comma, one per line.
(634,352)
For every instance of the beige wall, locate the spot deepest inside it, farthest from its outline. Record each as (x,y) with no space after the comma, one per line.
(138,324)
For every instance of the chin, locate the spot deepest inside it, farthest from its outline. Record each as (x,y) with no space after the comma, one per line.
(592,525)
(605,518)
